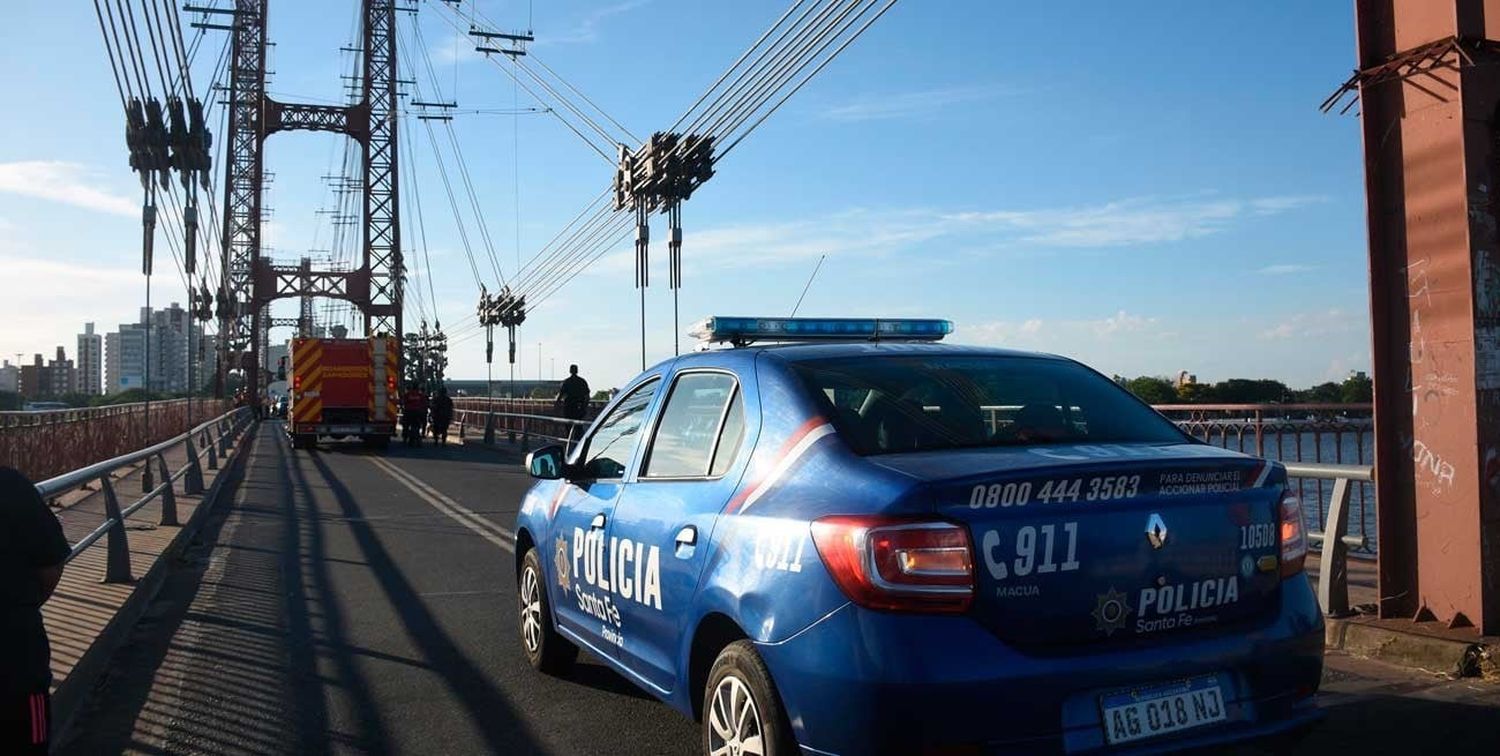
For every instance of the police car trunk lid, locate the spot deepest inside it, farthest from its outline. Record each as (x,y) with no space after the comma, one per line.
(1107,543)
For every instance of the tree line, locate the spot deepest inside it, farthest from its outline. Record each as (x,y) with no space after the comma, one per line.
(1158,390)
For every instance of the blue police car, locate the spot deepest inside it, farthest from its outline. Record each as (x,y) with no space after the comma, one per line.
(849,539)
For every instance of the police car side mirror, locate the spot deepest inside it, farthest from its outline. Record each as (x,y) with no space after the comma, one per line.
(546,463)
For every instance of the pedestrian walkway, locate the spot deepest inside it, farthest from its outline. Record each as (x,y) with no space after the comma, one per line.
(84,609)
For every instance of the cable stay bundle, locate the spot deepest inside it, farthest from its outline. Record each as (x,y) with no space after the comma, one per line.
(661,172)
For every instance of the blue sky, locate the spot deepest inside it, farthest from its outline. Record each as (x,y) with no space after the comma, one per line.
(1146,186)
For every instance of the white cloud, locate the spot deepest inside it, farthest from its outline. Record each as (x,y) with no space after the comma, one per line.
(895,105)
(878,233)
(1284,269)
(456,48)
(1055,335)
(40,316)
(64,182)
(586,29)
(1131,344)
(1274,205)
(1123,322)
(1305,324)
(1113,224)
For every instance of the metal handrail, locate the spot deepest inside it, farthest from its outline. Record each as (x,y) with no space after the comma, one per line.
(1333,574)
(117,564)
(526,430)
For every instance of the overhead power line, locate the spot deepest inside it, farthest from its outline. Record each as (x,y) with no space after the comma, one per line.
(778,64)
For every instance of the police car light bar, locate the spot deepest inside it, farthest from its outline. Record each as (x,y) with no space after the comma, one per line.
(742,331)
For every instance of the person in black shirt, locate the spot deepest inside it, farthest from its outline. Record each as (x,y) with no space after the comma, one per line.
(442,415)
(32,552)
(573,395)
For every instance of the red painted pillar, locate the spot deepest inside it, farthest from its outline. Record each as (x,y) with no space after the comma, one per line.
(1432,161)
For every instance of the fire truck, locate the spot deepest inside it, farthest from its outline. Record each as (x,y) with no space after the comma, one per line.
(343,388)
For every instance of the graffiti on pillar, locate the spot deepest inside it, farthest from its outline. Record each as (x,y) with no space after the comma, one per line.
(1429,383)
(1431,465)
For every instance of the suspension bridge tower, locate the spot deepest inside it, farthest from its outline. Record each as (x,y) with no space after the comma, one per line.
(250,281)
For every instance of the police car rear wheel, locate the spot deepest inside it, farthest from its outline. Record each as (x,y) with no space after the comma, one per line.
(546,650)
(742,714)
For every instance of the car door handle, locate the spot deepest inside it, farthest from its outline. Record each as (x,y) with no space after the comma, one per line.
(687,536)
(598,522)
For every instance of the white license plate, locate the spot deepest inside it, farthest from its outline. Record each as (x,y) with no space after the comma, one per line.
(1161,709)
(338,430)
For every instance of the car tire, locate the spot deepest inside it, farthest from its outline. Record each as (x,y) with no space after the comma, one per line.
(546,650)
(738,673)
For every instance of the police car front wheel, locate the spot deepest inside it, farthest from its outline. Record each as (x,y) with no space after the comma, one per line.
(742,714)
(546,650)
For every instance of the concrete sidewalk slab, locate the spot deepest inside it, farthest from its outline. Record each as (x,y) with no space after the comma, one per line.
(86,617)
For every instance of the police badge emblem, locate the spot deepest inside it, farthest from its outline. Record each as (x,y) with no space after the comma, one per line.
(560,563)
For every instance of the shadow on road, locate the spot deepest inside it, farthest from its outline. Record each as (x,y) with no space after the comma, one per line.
(489,710)
(313,722)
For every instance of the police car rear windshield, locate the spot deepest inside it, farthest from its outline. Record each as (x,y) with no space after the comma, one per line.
(887,404)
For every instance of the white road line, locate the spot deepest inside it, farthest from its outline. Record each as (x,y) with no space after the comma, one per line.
(458,512)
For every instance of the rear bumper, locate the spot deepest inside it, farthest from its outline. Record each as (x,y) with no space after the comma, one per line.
(860,681)
(341,429)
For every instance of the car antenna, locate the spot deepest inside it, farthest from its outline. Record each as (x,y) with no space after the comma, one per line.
(810,278)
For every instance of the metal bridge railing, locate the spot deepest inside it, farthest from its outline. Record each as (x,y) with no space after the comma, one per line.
(215,437)
(1333,537)
(519,425)
(1340,434)
(49,443)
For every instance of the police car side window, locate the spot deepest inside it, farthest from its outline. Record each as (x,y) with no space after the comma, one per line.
(690,425)
(612,444)
(731,437)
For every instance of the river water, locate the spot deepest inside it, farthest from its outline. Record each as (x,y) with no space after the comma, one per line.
(1355,446)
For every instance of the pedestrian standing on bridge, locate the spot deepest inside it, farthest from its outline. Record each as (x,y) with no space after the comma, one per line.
(32,553)
(442,415)
(573,395)
(414,414)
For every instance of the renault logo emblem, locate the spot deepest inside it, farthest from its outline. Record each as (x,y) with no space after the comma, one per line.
(1156,531)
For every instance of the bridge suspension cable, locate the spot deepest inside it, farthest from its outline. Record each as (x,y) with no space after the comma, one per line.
(797,46)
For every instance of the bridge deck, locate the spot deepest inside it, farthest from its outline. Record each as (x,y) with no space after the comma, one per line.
(334,604)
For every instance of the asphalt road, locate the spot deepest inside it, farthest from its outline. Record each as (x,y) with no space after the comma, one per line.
(340,603)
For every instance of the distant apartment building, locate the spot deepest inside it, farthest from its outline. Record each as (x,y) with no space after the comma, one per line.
(48,380)
(90,355)
(166,341)
(125,358)
(10,377)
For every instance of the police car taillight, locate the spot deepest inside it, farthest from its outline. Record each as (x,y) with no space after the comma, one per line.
(898,564)
(1293,535)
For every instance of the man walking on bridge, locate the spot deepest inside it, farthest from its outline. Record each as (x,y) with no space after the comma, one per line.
(32,552)
(573,395)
